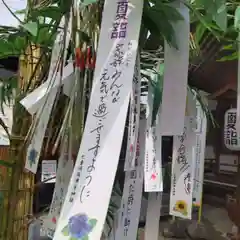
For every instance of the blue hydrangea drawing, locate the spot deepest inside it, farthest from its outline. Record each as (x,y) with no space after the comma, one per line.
(32,156)
(79,226)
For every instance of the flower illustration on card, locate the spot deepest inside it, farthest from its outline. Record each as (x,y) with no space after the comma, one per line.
(181,207)
(54,220)
(154,176)
(79,226)
(32,156)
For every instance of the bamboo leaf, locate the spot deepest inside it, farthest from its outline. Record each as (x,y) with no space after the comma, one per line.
(237,18)
(31,27)
(65,231)
(93,222)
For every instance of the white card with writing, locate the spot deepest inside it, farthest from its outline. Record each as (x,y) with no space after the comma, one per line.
(134,116)
(153,153)
(43,115)
(49,169)
(199,156)
(129,212)
(183,170)
(176,76)
(231,134)
(153,216)
(99,151)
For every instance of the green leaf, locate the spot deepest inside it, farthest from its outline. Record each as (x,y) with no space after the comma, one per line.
(52,12)
(65,231)
(231,57)
(85,237)
(21,11)
(31,27)
(221,16)
(73,238)
(157,92)
(93,222)
(88,2)
(237,18)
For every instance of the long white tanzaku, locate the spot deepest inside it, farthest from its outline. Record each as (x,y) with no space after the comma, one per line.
(183,167)
(43,114)
(153,216)
(199,155)
(153,154)
(64,173)
(89,194)
(134,116)
(176,76)
(129,213)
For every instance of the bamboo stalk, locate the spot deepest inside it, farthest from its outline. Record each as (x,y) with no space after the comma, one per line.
(20,184)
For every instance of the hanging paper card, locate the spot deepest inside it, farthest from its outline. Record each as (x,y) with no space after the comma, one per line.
(43,114)
(64,172)
(134,115)
(49,169)
(176,76)
(182,172)
(129,213)
(153,154)
(199,152)
(98,155)
(231,135)
(153,216)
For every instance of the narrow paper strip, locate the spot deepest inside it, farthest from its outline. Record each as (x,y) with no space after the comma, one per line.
(176,76)
(153,154)
(88,195)
(43,114)
(64,173)
(129,213)
(199,154)
(183,172)
(153,216)
(134,116)
(36,99)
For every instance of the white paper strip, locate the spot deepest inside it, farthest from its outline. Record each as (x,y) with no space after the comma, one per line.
(183,170)
(36,99)
(153,216)
(153,155)
(43,114)
(129,213)
(176,77)
(98,155)
(134,116)
(199,155)
(64,173)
